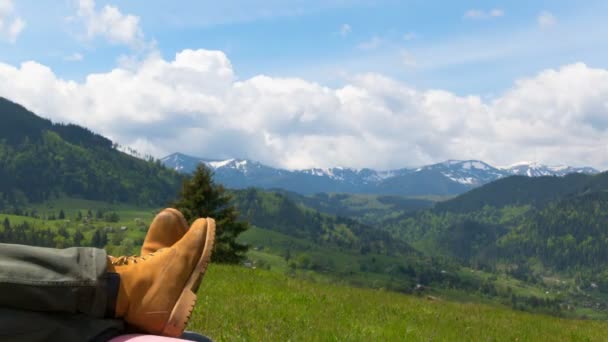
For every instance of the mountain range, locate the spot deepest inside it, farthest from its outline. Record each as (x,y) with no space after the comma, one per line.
(451,177)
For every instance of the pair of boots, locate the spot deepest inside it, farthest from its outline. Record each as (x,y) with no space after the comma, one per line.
(157,291)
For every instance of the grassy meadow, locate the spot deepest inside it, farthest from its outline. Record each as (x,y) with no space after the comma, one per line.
(278,300)
(239,304)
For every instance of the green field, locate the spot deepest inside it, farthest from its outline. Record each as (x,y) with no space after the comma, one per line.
(239,304)
(334,297)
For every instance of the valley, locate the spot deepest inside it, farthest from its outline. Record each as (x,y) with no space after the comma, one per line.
(494,248)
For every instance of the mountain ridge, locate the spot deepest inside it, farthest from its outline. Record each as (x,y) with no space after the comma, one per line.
(451,177)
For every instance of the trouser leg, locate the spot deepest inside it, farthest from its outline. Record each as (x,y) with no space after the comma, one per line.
(71,281)
(19,325)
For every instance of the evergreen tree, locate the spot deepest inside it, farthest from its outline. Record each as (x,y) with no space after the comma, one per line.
(61,214)
(201,197)
(99,239)
(77,238)
(6,224)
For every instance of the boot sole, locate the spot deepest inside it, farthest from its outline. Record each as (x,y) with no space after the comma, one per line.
(180,315)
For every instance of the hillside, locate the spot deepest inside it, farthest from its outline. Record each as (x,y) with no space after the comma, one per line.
(533,229)
(341,251)
(277,212)
(367,208)
(567,234)
(41,160)
(522,190)
(243,304)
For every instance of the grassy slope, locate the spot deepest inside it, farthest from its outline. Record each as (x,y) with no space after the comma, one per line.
(262,305)
(236,303)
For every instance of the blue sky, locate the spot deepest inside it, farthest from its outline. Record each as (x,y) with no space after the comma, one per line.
(463,48)
(447,49)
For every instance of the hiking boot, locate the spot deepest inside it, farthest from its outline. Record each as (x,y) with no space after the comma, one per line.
(167,228)
(157,292)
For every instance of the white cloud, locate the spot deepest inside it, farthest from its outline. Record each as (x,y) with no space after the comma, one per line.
(11,25)
(408,59)
(75,57)
(410,36)
(371,44)
(497,12)
(111,24)
(546,19)
(345,30)
(481,14)
(6,7)
(195,104)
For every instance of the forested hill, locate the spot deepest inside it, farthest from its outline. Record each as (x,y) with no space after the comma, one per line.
(40,159)
(19,124)
(275,211)
(521,190)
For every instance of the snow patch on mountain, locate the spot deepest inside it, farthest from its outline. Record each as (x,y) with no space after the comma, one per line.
(470,173)
(218,164)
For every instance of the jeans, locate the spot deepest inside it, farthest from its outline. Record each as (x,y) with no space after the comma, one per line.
(62,295)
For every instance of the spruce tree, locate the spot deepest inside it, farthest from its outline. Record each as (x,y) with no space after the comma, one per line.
(77,238)
(201,197)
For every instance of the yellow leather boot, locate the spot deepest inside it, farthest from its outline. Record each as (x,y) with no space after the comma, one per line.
(157,292)
(167,228)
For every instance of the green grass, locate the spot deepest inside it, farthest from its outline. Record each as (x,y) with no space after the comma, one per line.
(239,304)
(260,305)
(327,263)
(135,219)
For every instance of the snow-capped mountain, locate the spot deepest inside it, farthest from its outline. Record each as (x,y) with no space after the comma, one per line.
(532,169)
(467,172)
(448,178)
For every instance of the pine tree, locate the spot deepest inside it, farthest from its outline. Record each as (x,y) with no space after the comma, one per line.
(97,239)
(77,238)
(61,214)
(201,197)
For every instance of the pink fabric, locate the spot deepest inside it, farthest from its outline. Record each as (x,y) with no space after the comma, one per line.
(143,338)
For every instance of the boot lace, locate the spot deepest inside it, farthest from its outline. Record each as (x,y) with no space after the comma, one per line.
(133,259)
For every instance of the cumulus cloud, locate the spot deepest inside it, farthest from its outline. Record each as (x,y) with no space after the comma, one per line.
(410,36)
(371,44)
(408,59)
(11,25)
(546,20)
(482,14)
(194,103)
(345,30)
(111,24)
(75,57)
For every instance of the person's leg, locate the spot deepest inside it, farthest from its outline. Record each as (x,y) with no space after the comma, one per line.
(70,281)
(56,294)
(154,293)
(19,325)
